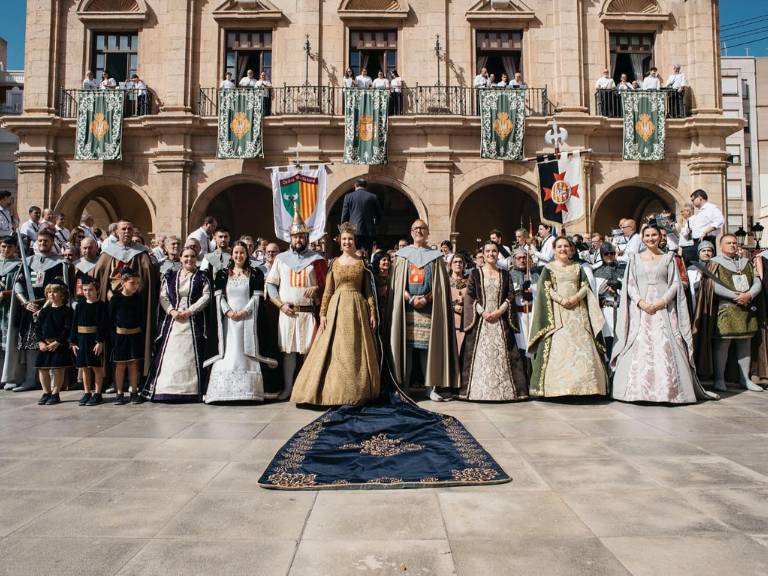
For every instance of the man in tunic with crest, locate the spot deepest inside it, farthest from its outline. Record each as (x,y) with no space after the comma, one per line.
(124,253)
(295,285)
(420,332)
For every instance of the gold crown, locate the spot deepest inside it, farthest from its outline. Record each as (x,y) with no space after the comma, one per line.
(347,227)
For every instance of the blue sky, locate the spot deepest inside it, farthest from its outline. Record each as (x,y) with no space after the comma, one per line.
(753,36)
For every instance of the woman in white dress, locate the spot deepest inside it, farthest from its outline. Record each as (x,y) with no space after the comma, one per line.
(653,352)
(236,373)
(184,298)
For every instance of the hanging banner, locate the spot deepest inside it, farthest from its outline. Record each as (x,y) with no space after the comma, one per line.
(502,123)
(561,187)
(99,133)
(240,115)
(645,115)
(365,126)
(305,186)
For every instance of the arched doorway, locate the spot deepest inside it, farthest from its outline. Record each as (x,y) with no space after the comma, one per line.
(636,202)
(244,209)
(108,204)
(399,213)
(503,206)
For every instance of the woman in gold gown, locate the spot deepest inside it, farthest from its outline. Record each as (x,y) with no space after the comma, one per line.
(342,366)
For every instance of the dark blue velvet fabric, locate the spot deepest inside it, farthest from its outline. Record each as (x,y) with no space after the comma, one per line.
(391,444)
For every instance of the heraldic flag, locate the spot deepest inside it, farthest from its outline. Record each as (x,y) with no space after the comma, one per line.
(645,115)
(99,132)
(561,187)
(240,115)
(305,186)
(365,126)
(502,124)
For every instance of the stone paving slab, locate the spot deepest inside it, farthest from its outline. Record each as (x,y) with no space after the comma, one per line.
(599,488)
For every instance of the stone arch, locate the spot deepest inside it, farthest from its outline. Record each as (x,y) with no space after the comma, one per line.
(632,7)
(107,199)
(493,191)
(243,202)
(643,195)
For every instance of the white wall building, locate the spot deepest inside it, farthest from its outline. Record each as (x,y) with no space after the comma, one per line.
(11,102)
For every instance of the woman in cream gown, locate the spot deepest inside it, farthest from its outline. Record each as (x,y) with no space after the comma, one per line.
(342,366)
(564,340)
(653,354)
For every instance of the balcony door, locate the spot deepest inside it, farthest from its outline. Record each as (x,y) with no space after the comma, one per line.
(631,54)
(116,53)
(374,50)
(248,50)
(500,51)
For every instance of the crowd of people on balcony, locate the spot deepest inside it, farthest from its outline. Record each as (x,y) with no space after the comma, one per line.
(648,312)
(609,93)
(136,98)
(486,80)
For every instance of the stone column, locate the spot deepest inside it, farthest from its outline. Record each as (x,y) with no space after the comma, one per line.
(38,61)
(703,56)
(177,26)
(567,36)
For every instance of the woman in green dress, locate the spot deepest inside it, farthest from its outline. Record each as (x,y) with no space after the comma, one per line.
(567,357)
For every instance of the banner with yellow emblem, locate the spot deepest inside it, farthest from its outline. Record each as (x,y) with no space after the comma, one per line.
(365,126)
(645,115)
(240,115)
(502,123)
(99,132)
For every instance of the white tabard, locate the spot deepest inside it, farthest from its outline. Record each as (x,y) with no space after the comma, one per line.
(294,334)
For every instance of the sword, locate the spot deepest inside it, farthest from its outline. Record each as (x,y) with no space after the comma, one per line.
(25,268)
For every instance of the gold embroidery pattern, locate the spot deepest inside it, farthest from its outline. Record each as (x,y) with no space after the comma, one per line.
(99,126)
(384,446)
(428,480)
(294,454)
(645,127)
(240,125)
(365,130)
(469,450)
(502,125)
(474,474)
(293,480)
(385,480)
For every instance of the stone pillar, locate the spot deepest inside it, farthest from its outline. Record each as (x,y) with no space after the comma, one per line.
(438,197)
(38,61)
(703,56)
(177,26)
(569,59)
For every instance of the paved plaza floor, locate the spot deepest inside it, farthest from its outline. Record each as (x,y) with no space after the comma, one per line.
(598,489)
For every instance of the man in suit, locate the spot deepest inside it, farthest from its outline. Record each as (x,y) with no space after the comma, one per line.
(362,209)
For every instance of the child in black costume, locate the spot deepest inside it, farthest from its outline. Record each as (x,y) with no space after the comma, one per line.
(89,332)
(54,324)
(127,319)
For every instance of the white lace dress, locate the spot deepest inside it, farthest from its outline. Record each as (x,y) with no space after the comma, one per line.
(236,377)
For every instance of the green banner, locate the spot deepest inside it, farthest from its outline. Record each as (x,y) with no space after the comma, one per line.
(240,115)
(502,123)
(99,133)
(365,126)
(645,115)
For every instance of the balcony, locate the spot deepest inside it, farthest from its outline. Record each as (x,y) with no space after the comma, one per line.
(136,103)
(413,101)
(608,103)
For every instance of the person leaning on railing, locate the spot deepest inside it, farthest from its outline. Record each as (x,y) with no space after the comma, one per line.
(107,82)
(517,82)
(363,80)
(265,85)
(136,96)
(481,81)
(249,80)
(653,80)
(396,94)
(90,82)
(677,84)
(381,83)
(605,86)
(227,83)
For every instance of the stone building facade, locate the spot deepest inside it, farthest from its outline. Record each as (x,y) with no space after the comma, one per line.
(169,176)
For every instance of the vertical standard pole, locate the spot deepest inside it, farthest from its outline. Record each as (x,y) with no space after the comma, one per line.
(437,55)
(307,47)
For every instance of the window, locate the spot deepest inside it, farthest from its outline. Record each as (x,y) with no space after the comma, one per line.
(734,151)
(733,189)
(116,53)
(374,50)
(735,221)
(631,54)
(730,85)
(248,50)
(500,51)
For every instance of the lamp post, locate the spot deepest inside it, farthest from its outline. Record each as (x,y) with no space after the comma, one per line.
(740,234)
(757,232)
(307,48)
(437,55)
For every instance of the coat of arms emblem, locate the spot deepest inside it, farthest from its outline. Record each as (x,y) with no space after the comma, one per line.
(645,127)
(240,125)
(502,125)
(99,126)
(365,130)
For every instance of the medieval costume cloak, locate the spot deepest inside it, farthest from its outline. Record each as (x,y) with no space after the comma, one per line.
(9,268)
(492,366)
(430,328)
(177,373)
(114,257)
(82,268)
(566,344)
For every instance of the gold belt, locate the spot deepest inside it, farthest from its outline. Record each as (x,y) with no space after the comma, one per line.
(297,308)
(127,331)
(88,329)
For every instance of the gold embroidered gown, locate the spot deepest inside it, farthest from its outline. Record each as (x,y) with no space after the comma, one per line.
(342,366)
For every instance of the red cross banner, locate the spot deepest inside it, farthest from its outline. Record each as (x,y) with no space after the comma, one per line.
(561,187)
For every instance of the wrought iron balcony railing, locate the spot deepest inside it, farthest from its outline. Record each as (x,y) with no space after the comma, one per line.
(411,101)
(138,102)
(608,102)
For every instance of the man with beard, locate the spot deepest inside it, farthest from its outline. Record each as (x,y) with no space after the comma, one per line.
(124,253)
(420,316)
(89,255)
(295,285)
(219,258)
(10,264)
(609,275)
(524,284)
(45,267)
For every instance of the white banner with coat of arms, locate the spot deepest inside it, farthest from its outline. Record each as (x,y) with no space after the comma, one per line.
(365,126)
(304,188)
(502,123)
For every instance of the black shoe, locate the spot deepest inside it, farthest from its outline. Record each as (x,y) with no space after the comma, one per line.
(44,399)
(135,398)
(54,399)
(95,400)
(84,400)
(120,399)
